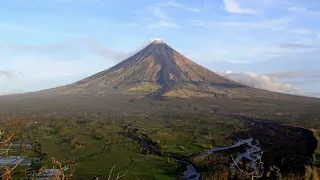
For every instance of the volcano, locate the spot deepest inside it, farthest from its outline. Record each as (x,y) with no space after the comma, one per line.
(159,71)
(154,80)
(158,104)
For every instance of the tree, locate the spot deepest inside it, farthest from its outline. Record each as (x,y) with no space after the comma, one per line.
(6,171)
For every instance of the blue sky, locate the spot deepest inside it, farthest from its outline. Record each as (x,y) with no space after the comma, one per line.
(46,43)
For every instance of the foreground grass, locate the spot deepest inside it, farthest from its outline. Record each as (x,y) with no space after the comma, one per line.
(93,145)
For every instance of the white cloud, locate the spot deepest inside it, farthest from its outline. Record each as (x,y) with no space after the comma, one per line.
(273,24)
(11,92)
(297,9)
(162,19)
(318,35)
(26,3)
(301,31)
(232,6)
(277,82)
(296,74)
(157,12)
(51,65)
(304,11)
(176,5)
(8,82)
(297,46)
(265,24)
(261,81)
(5,73)
(49,72)
(85,45)
(163,24)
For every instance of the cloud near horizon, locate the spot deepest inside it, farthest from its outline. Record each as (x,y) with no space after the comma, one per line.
(298,46)
(45,71)
(295,74)
(9,82)
(68,46)
(262,81)
(277,82)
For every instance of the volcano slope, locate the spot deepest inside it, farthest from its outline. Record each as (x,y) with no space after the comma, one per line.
(166,97)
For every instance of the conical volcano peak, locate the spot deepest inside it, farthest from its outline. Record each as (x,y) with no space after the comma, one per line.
(157,41)
(158,70)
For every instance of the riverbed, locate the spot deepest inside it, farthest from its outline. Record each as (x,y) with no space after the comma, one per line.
(286,149)
(252,154)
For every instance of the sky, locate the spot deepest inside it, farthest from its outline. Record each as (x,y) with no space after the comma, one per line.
(268,44)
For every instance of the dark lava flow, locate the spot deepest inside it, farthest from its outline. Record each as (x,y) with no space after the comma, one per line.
(286,147)
(289,148)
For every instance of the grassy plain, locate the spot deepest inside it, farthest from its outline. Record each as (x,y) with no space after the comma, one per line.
(83,131)
(94,146)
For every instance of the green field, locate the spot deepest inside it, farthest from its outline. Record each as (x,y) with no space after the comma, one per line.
(93,146)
